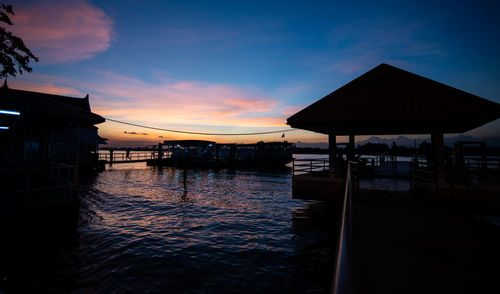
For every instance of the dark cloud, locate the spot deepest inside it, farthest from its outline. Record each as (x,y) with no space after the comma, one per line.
(134,133)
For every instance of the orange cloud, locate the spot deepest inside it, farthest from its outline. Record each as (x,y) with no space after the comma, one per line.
(180,105)
(184,102)
(291,110)
(44,87)
(167,103)
(59,32)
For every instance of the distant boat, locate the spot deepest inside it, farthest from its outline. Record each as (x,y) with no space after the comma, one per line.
(209,154)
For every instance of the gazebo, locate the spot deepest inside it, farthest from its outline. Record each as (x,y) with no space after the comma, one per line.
(388,100)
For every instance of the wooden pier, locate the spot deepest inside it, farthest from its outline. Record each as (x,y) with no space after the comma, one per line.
(123,158)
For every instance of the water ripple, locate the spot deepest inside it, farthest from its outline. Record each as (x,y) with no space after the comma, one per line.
(159,230)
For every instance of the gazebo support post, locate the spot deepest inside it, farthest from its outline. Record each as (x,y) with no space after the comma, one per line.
(332,152)
(437,141)
(350,148)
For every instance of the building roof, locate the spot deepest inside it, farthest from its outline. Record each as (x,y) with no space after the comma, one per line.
(388,100)
(42,105)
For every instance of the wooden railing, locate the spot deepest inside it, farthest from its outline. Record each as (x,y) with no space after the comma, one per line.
(466,176)
(302,166)
(468,161)
(122,157)
(485,163)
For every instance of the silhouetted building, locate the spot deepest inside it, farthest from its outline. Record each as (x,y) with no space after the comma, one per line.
(44,140)
(44,128)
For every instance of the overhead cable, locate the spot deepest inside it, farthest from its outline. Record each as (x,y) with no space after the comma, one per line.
(199,133)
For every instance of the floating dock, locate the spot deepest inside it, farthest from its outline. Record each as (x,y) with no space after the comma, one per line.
(209,154)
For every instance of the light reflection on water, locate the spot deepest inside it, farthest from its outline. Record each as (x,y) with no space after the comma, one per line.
(145,229)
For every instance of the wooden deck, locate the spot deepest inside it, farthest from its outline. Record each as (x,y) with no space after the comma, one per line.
(317,186)
(415,245)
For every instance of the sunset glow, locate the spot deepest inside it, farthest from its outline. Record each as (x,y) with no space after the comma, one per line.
(228,69)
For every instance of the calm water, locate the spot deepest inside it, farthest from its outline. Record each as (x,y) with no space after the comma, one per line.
(164,230)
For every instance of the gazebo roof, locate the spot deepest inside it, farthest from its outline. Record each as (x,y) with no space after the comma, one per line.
(388,100)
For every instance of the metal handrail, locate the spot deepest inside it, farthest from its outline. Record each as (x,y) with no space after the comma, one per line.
(343,280)
(310,165)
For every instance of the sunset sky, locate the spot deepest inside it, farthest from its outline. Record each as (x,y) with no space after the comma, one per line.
(245,66)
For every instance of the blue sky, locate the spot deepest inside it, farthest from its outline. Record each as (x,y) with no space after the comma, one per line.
(238,66)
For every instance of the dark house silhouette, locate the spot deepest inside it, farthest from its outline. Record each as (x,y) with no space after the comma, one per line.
(44,141)
(49,128)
